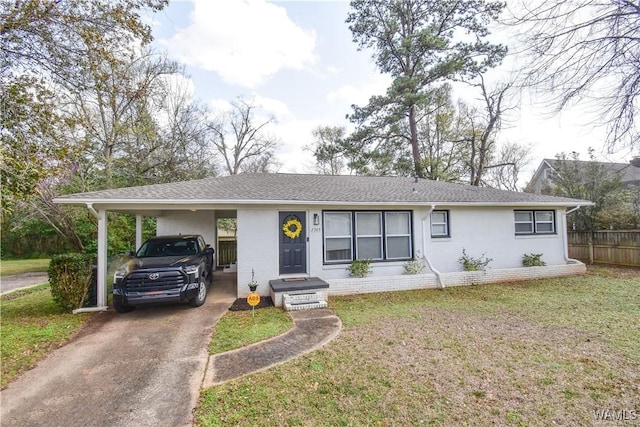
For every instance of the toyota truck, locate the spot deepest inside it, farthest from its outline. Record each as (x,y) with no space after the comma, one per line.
(166,269)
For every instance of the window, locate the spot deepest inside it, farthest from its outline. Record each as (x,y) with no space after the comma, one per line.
(398,235)
(440,224)
(375,235)
(535,222)
(369,235)
(337,236)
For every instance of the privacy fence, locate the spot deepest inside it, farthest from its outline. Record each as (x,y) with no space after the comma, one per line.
(607,247)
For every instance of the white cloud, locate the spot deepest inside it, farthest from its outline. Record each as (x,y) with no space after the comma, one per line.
(360,94)
(244,41)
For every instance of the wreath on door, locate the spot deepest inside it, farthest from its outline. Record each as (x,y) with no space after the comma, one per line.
(292,228)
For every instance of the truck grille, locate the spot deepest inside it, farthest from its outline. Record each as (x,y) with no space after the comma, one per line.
(140,280)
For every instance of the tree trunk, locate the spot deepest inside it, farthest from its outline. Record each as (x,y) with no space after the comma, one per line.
(415,149)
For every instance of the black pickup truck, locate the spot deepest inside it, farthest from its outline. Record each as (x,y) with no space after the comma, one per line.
(165,269)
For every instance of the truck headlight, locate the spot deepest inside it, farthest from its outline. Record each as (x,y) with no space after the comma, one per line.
(192,270)
(120,272)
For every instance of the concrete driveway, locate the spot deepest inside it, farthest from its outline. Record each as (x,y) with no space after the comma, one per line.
(144,368)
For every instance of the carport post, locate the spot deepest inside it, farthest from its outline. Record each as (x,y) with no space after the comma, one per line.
(101,267)
(138,231)
(102,259)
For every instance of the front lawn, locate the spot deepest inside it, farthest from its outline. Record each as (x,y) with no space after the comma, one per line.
(17,266)
(543,352)
(32,326)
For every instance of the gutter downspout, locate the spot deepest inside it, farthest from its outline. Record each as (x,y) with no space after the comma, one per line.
(566,236)
(424,250)
(92,210)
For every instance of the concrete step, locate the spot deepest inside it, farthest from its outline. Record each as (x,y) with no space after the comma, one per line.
(304,301)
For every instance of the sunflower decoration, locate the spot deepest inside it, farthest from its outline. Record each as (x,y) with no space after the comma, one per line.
(292,228)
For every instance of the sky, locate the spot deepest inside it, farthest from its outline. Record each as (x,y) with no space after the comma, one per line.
(296,60)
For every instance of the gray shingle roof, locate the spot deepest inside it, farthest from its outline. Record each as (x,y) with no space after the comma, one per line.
(277,188)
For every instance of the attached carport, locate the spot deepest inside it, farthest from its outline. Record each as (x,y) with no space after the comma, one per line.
(176,215)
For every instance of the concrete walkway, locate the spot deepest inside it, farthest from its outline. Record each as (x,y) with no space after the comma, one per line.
(312,329)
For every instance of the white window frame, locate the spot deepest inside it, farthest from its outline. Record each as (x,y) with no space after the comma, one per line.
(349,236)
(354,237)
(534,222)
(387,235)
(380,236)
(445,223)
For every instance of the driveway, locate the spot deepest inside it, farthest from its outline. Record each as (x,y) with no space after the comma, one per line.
(143,368)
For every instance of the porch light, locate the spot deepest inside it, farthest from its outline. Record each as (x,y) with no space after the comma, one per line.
(316,219)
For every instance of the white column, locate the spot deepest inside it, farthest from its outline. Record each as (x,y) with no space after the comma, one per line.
(102,258)
(138,232)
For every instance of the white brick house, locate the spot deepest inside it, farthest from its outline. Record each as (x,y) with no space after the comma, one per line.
(292,225)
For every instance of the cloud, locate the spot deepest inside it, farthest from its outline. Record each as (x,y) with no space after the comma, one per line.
(359,95)
(244,41)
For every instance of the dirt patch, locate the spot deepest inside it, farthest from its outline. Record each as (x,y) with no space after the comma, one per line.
(242,304)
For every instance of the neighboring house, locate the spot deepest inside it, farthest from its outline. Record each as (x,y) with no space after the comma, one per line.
(543,178)
(292,226)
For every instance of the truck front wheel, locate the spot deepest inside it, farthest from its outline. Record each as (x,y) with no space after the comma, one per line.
(202,295)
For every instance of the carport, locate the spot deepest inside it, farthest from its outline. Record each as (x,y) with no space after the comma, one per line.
(183,214)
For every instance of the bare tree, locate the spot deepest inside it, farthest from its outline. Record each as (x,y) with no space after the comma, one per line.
(483,127)
(586,51)
(328,149)
(239,139)
(512,158)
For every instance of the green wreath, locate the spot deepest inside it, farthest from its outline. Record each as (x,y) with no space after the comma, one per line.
(292,228)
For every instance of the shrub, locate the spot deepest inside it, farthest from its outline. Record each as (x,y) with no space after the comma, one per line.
(413,267)
(360,268)
(473,264)
(533,260)
(69,277)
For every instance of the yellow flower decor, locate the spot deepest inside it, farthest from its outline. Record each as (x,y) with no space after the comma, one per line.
(292,228)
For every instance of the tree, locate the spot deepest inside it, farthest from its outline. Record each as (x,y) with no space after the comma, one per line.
(586,51)
(240,140)
(328,148)
(45,45)
(483,126)
(33,144)
(512,158)
(440,132)
(592,182)
(56,38)
(419,42)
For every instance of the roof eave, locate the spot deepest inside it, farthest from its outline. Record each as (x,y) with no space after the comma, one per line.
(192,203)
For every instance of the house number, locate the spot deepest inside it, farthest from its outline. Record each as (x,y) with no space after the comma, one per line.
(315,229)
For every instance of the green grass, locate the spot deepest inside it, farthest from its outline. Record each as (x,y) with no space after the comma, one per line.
(521,353)
(240,328)
(17,266)
(32,325)
(595,303)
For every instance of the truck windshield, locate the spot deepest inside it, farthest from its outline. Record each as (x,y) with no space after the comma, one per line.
(160,248)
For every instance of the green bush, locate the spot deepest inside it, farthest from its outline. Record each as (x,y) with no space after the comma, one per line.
(413,267)
(69,277)
(473,264)
(360,268)
(533,260)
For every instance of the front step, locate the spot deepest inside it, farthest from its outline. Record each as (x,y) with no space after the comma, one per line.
(304,301)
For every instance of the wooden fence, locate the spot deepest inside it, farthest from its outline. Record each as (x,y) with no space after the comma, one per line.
(227,252)
(607,247)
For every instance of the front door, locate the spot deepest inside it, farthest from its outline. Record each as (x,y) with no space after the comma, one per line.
(293,242)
